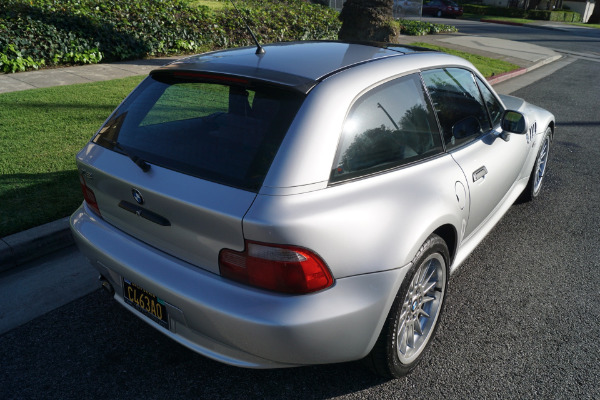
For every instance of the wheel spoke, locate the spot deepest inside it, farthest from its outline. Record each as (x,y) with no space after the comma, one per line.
(417,325)
(402,338)
(428,288)
(428,279)
(404,315)
(418,277)
(427,299)
(410,335)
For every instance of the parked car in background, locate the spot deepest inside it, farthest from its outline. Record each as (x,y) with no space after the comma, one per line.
(305,205)
(407,8)
(442,8)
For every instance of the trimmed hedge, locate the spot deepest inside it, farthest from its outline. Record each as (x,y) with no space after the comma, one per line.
(495,11)
(276,21)
(561,16)
(35,33)
(38,33)
(420,28)
(543,15)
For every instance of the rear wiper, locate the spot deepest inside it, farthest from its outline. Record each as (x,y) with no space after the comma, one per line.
(140,162)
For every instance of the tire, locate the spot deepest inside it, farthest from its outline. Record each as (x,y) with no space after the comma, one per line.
(415,313)
(536,179)
(438,14)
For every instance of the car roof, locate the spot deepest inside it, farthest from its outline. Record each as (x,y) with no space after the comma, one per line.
(298,65)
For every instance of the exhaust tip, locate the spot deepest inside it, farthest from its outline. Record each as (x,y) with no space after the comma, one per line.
(108,288)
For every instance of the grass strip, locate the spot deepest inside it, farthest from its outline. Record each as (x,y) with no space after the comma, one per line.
(595,26)
(486,65)
(477,17)
(41,130)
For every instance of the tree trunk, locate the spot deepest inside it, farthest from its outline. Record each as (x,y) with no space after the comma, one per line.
(368,20)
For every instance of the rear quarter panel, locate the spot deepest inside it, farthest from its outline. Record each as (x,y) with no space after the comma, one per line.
(372,224)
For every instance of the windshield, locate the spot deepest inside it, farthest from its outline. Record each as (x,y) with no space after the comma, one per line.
(227,130)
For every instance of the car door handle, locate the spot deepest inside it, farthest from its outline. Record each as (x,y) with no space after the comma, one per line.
(480,173)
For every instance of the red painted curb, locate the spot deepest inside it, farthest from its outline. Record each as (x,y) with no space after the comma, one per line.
(493,80)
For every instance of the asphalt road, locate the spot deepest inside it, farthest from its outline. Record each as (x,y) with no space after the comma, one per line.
(522,317)
(568,40)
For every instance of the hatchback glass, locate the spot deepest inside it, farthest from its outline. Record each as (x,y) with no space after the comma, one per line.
(226,132)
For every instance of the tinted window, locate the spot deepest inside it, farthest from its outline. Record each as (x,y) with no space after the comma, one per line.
(458,104)
(222,132)
(493,105)
(388,126)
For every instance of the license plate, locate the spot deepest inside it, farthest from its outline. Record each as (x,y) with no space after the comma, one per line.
(145,302)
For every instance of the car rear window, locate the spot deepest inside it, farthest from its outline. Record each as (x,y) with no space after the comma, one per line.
(226,130)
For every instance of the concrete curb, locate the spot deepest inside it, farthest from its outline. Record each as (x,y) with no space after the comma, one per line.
(493,80)
(33,243)
(536,26)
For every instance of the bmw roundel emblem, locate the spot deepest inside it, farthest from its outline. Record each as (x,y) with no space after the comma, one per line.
(137,196)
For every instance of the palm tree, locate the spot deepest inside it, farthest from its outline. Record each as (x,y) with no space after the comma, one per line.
(368,20)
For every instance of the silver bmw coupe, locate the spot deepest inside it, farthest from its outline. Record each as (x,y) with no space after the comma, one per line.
(305,205)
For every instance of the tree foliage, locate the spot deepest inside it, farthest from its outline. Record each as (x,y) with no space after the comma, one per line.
(35,33)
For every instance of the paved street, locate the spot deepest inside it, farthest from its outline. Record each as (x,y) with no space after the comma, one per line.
(567,39)
(521,322)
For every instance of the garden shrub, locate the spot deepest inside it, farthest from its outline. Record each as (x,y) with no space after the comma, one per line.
(420,28)
(53,32)
(565,16)
(495,11)
(36,33)
(276,21)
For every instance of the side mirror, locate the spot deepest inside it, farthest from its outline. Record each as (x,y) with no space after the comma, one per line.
(514,122)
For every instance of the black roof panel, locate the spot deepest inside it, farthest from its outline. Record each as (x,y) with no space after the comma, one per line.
(295,64)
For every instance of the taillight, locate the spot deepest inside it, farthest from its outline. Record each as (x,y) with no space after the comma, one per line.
(286,269)
(89,196)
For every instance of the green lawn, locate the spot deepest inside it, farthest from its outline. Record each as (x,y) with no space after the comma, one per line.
(41,130)
(595,26)
(487,66)
(507,19)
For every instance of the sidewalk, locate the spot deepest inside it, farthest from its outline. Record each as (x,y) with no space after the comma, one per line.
(551,25)
(17,249)
(527,56)
(78,74)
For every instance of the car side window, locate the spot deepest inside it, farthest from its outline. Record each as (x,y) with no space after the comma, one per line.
(390,125)
(493,105)
(458,104)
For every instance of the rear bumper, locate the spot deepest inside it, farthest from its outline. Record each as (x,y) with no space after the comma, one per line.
(240,325)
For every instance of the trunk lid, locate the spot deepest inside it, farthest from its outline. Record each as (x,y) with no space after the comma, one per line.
(184,216)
